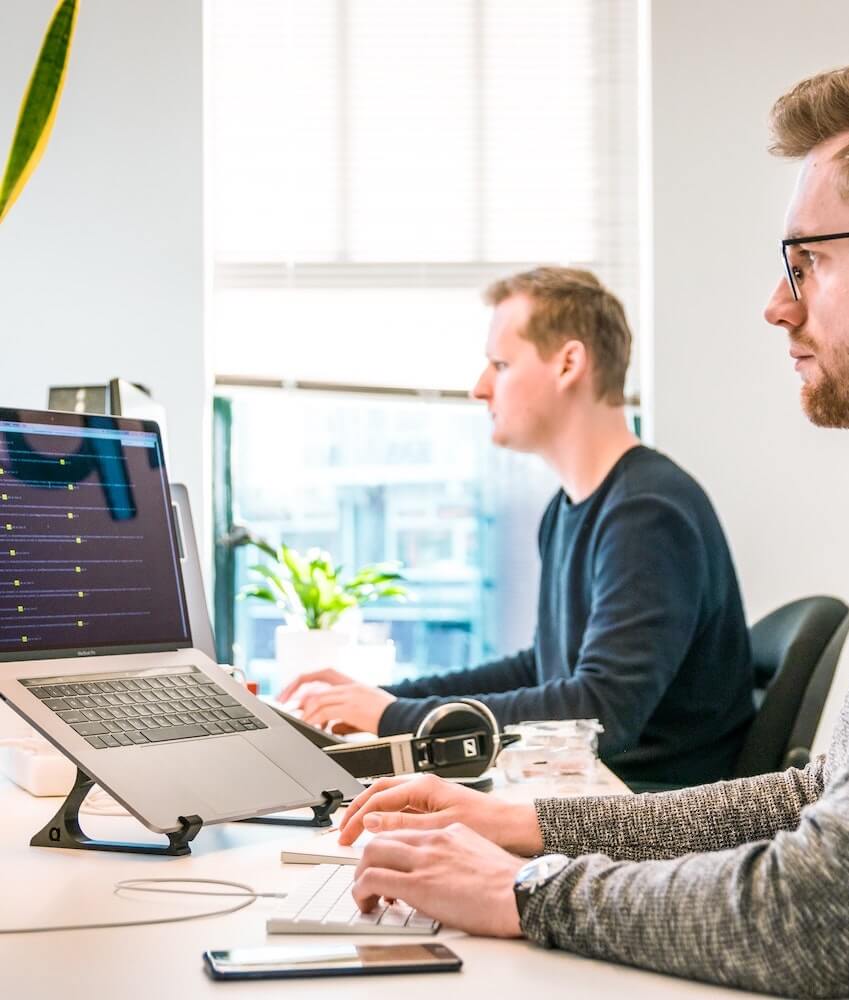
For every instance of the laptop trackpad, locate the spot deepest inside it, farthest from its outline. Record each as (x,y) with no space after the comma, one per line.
(231,776)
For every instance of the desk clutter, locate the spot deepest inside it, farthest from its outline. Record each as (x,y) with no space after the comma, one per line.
(551,749)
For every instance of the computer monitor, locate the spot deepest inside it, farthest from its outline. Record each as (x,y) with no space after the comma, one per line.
(79,398)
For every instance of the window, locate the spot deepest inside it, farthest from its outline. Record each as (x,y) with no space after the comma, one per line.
(373,164)
(370,479)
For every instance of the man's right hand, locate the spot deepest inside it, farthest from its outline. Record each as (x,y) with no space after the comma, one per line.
(326,676)
(430,803)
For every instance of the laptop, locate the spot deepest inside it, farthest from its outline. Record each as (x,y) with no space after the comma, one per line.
(96,648)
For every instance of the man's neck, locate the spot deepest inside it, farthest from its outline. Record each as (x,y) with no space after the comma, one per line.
(591,444)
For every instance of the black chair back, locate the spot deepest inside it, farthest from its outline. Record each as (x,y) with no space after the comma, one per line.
(795,650)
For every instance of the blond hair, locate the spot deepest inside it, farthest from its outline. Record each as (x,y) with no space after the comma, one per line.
(571,304)
(815,110)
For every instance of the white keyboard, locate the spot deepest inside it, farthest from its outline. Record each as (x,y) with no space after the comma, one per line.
(321,903)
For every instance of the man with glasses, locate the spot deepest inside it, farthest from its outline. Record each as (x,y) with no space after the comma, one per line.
(744,883)
(815,262)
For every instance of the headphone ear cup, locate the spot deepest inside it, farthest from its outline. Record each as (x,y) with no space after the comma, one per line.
(466,715)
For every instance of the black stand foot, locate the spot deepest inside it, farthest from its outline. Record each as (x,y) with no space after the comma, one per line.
(320,813)
(64,829)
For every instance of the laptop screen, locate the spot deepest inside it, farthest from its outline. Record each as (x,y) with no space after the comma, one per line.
(88,556)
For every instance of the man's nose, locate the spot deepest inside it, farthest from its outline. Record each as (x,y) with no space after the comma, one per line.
(782,309)
(480,390)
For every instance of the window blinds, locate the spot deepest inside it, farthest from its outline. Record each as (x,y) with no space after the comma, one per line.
(367,144)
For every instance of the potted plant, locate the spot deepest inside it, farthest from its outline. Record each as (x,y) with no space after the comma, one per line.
(320,607)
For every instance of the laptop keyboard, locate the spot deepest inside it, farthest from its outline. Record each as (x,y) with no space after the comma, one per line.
(321,903)
(138,709)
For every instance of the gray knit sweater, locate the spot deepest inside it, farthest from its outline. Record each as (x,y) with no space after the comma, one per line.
(766,908)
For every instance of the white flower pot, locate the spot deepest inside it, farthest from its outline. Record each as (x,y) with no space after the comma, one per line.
(301,649)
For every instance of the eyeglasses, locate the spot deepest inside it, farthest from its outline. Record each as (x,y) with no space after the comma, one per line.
(796,263)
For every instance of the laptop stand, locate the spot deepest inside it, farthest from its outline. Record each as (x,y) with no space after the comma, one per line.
(64,829)
(320,813)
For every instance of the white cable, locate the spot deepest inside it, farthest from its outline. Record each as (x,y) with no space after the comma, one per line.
(136,885)
(143,885)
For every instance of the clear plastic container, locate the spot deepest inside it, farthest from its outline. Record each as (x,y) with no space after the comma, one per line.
(551,750)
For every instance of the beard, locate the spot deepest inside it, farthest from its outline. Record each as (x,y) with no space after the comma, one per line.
(826,401)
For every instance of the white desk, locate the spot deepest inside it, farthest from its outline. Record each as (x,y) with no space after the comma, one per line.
(41,887)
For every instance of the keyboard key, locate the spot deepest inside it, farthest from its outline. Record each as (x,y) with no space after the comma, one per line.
(225,701)
(238,713)
(137,737)
(57,704)
(90,728)
(71,717)
(96,742)
(122,739)
(108,740)
(174,733)
(396,915)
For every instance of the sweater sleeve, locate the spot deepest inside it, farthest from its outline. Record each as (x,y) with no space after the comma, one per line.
(415,698)
(770,915)
(648,582)
(499,675)
(668,824)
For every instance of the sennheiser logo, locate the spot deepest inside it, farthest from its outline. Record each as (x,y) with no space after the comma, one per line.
(470,747)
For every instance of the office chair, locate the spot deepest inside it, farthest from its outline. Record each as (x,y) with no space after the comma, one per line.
(795,650)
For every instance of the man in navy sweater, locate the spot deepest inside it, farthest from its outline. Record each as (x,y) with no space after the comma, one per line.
(640,621)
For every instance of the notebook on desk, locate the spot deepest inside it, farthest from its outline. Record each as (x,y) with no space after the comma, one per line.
(96,649)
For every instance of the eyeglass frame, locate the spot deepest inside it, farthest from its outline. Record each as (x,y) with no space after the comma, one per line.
(796,241)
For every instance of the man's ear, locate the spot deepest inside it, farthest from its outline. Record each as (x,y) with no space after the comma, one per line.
(572,361)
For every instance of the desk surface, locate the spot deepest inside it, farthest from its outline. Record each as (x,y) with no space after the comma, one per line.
(53,887)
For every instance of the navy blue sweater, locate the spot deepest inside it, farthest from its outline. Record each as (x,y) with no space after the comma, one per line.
(640,625)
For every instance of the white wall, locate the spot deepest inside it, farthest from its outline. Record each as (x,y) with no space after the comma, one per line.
(101,259)
(725,398)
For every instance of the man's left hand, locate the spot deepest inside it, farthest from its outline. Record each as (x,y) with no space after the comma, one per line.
(453,875)
(352,707)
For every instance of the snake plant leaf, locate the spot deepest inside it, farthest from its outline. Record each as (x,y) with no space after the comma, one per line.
(38,111)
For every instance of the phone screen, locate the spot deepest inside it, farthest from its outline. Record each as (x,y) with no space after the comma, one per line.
(330,960)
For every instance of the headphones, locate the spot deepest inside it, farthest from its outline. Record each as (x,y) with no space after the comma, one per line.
(459,739)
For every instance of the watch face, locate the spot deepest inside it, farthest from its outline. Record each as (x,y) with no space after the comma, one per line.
(540,870)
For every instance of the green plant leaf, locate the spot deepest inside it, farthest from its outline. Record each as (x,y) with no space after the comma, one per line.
(38,110)
(298,567)
(311,586)
(288,595)
(255,590)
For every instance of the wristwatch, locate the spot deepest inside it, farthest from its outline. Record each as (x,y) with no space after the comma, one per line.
(534,875)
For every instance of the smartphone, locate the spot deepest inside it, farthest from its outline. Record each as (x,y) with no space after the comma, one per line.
(293,961)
